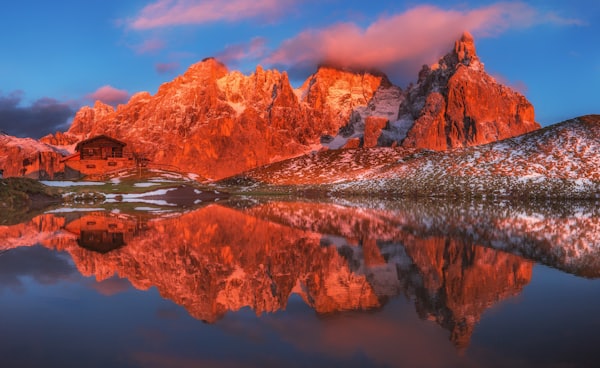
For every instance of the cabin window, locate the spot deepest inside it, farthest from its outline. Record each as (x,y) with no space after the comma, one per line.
(91,223)
(90,166)
(117,151)
(112,163)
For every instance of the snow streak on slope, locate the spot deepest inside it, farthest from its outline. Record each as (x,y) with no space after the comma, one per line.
(327,166)
(565,151)
(559,161)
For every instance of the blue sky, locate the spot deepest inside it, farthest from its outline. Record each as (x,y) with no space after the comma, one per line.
(59,56)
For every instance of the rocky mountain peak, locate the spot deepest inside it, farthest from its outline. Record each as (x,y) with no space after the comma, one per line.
(463,54)
(102,108)
(455,103)
(327,73)
(206,71)
(84,119)
(208,67)
(340,88)
(342,99)
(464,48)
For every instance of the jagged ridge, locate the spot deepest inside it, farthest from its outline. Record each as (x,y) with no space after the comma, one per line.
(217,123)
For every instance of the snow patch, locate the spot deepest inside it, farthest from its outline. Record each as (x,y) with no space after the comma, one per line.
(141,197)
(74,209)
(59,183)
(145,185)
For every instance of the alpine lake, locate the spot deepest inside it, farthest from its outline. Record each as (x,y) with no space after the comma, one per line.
(259,281)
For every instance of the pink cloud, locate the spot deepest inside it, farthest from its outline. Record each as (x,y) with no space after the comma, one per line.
(401,43)
(148,46)
(253,50)
(163,68)
(109,95)
(164,13)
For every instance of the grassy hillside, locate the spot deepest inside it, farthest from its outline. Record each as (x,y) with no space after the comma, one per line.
(18,196)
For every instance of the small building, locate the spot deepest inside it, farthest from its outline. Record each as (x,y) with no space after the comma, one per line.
(101,147)
(98,155)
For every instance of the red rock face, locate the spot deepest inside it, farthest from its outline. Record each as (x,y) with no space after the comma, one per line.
(352,143)
(457,104)
(60,139)
(332,95)
(217,123)
(86,117)
(373,128)
(30,158)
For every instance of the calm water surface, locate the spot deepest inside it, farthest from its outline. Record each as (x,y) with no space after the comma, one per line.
(303,284)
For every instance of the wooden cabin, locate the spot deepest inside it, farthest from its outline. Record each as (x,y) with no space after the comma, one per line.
(98,155)
(100,147)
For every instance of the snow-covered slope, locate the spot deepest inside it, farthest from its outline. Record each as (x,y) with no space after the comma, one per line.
(562,160)
(326,167)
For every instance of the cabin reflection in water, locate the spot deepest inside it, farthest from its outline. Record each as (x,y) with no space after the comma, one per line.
(103,232)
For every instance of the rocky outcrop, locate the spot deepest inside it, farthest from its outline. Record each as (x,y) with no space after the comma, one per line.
(373,128)
(85,118)
(457,104)
(333,95)
(60,139)
(30,158)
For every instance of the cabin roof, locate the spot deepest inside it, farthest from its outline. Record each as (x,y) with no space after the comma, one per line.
(73,155)
(101,136)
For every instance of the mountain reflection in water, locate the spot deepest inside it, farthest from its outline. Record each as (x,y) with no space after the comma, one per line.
(453,261)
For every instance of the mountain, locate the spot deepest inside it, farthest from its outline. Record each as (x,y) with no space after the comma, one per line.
(457,104)
(217,123)
(29,157)
(560,161)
